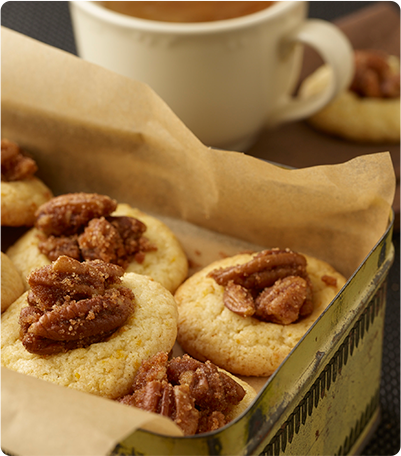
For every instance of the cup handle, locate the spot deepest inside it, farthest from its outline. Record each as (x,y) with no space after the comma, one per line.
(336,50)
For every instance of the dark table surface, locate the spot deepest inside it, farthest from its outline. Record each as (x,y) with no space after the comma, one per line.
(50,23)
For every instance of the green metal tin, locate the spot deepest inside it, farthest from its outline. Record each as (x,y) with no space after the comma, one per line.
(324,398)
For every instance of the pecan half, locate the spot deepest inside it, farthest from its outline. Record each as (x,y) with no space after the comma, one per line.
(196,395)
(373,76)
(67,214)
(186,416)
(79,225)
(273,286)
(72,305)
(281,303)
(15,163)
(263,270)
(238,299)
(212,390)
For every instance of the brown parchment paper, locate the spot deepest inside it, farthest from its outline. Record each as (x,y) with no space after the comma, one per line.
(92,130)
(47,419)
(298,144)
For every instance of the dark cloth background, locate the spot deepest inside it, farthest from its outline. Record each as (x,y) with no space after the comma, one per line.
(367,24)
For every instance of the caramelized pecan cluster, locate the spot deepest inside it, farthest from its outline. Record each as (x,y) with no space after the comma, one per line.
(80,226)
(273,286)
(373,76)
(15,164)
(72,305)
(195,395)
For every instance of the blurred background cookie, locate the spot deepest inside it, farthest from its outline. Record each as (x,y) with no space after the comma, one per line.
(369,111)
(21,192)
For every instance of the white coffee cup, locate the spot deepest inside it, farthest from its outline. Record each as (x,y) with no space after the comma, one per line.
(226,80)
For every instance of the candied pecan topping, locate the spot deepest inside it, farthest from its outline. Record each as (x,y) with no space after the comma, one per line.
(179,366)
(263,270)
(55,246)
(150,395)
(166,403)
(273,286)
(196,395)
(72,305)
(238,299)
(210,422)
(114,240)
(212,390)
(373,76)
(152,369)
(281,303)
(67,214)
(15,163)
(186,416)
(50,284)
(79,225)
(111,245)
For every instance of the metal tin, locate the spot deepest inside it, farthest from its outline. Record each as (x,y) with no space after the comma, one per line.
(324,398)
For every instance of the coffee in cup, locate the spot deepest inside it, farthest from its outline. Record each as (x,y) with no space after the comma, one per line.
(186,11)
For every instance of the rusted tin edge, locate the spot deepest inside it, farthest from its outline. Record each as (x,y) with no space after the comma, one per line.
(329,375)
(369,300)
